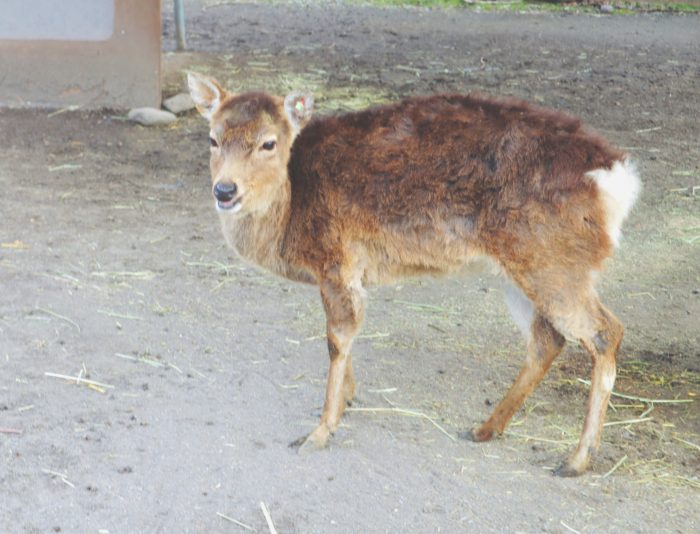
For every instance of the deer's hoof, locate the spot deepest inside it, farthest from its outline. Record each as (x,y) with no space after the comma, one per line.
(317,440)
(567,470)
(479,434)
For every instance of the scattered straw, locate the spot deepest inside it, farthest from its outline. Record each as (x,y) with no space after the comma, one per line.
(688,443)
(62,476)
(615,467)
(65,167)
(543,440)
(140,359)
(212,265)
(642,294)
(629,421)
(642,399)
(120,315)
(373,336)
(138,275)
(567,527)
(418,306)
(402,411)
(232,520)
(59,316)
(16,245)
(79,380)
(63,110)
(268,518)
(148,361)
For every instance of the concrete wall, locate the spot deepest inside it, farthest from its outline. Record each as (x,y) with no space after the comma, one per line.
(91,53)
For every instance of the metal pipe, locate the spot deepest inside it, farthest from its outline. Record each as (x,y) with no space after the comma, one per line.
(181,42)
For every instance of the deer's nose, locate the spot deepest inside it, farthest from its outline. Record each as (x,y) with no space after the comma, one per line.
(225,192)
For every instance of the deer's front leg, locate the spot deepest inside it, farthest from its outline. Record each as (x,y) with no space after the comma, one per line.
(343,301)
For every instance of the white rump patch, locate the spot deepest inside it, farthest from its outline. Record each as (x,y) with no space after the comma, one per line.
(619,188)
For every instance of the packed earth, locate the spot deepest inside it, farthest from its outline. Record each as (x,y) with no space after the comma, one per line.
(192,370)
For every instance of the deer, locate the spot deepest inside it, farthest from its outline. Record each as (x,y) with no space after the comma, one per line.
(428,186)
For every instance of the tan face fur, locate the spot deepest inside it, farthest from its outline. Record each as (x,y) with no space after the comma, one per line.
(250,137)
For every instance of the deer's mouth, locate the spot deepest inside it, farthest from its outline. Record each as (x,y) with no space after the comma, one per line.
(229,206)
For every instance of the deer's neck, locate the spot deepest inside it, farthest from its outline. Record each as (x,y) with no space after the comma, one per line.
(258,237)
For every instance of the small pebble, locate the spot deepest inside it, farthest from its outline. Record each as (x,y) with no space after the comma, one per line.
(179,103)
(151,116)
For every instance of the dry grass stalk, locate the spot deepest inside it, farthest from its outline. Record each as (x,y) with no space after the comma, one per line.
(642,399)
(11,431)
(59,316)
(120,315)
(567,527)
(629,421)
(408,413)
(79,380)
(232,520)
(61,476)
(268,518)
(615,467)
(148,361)
(63,110)
(526,437)
(688,443)
(139,275)
(140,359)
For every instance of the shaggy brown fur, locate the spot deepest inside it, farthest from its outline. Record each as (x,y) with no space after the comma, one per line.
(427,186)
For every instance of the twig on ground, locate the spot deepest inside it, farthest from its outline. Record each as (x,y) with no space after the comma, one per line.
(11,431)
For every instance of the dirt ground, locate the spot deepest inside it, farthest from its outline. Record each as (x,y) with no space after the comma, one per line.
(112,267)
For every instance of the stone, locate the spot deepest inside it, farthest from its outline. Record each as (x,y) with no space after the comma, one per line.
(606,8)
(151,116)
(179,103)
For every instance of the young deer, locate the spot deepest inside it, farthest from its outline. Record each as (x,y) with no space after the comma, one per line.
(427,186)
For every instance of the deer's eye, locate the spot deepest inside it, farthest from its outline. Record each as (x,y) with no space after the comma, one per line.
(213,142)
(268,145)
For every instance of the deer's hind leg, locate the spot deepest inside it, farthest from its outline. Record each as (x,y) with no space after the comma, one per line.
(602,344)
(573,310)
(544,344)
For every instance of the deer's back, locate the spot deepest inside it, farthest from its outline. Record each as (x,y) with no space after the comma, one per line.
(450,175)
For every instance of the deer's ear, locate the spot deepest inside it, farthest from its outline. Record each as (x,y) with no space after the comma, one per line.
(206,93)
(299,107)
